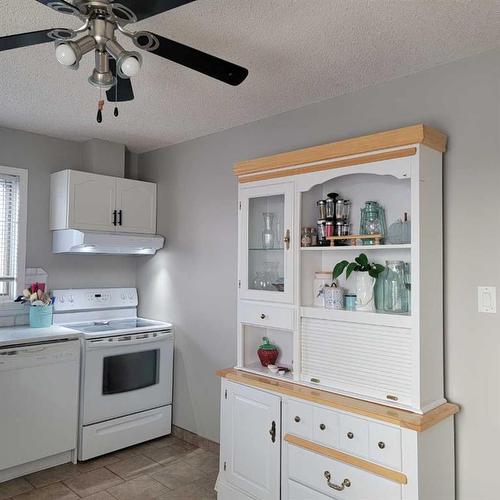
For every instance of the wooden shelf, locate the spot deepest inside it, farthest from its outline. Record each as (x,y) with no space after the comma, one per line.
(372,318)
(357,248)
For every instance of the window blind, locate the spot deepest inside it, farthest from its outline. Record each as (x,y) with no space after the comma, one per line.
(9,231)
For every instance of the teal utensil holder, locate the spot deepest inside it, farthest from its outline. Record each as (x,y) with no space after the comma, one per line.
(41,316)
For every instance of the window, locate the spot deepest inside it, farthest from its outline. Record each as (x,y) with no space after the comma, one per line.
(13,184)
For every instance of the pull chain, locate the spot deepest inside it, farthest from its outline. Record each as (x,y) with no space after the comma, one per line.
(100,105)
(115,112)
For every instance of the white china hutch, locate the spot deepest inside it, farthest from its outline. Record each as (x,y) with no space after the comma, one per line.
(359,413)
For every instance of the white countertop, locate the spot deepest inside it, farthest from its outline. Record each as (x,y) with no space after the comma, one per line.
(24,334)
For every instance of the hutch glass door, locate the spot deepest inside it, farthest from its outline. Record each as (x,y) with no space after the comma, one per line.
(265,242)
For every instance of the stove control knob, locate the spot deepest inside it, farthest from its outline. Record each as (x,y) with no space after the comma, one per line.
(61,299)
(123,296)
(70,298)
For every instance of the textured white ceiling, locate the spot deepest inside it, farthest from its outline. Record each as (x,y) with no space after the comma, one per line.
(297,52)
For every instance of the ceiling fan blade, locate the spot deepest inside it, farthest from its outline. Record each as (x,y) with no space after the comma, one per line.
(196,59)
(25,39)
(124,91)
(147,8)
(60,6)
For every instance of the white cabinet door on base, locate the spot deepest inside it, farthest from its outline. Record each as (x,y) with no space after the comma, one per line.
(136,205)
(250,440)
(91,201)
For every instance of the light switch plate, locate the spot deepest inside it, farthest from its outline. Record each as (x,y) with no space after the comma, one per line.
(487,299)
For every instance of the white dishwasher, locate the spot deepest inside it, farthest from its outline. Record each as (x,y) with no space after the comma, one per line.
(38,405)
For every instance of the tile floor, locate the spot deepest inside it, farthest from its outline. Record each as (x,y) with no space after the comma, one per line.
(164,469)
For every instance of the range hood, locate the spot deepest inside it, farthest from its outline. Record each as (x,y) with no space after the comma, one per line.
(72,241)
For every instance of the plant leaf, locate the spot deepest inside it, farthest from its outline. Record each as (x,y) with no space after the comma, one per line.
(353,266)
(339,269)
(362,260)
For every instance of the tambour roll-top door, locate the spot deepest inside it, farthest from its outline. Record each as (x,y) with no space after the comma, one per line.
(369,360)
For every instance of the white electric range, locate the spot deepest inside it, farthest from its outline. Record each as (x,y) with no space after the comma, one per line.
(126,369)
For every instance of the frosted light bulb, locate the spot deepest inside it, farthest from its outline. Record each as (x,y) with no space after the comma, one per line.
(65,54)
(130,66)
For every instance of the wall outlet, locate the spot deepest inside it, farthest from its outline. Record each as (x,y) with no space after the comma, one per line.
(487,299)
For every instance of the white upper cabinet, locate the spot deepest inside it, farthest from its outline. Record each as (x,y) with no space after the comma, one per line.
(266,255)
(88,201)
(136,204)
(91,201)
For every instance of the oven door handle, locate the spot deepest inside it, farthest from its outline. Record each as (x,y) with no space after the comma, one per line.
(123,341)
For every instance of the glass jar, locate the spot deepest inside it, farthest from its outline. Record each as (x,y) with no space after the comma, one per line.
(395,293)
(322,208)
(372,221)
(306,239)
(321,280)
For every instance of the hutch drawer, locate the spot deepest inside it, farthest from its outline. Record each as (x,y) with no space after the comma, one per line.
(384,445)
(266,315)
(298,492)
(336,479)
(373,441)
(298,419)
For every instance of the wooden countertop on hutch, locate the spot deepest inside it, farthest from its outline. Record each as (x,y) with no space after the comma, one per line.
(364,149)
(402,418)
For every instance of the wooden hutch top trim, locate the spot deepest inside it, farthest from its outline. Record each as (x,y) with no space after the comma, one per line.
(414,134)
(401,418)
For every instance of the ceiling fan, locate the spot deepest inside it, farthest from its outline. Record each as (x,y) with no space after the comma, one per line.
(114,66)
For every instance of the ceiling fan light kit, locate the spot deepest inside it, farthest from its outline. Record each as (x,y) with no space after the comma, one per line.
(114,65)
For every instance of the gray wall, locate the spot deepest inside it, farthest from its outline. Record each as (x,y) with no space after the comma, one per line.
(43,155)
(193,281)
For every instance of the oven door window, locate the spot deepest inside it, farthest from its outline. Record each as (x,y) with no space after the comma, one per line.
(129,372)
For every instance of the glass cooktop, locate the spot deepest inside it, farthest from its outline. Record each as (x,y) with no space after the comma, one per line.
(114,325)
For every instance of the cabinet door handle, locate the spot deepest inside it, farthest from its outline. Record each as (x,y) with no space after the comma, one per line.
(322,427)
(272,431)
(286,239)
(337,487)
(115,212)
(297,419)
(381,445)
(120,217)
(262,316)
(350,435)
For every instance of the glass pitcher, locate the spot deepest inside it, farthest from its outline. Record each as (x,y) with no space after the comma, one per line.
(395,293)
(268,233)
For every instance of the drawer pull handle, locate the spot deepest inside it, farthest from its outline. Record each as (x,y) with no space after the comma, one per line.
(297,419)
(350,435)
(322,427)
(345,483)
(262,316)
(381,445)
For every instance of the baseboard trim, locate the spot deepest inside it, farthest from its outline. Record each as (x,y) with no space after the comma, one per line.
(192,438)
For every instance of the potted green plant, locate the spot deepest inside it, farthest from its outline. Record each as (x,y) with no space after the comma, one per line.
(366,275)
